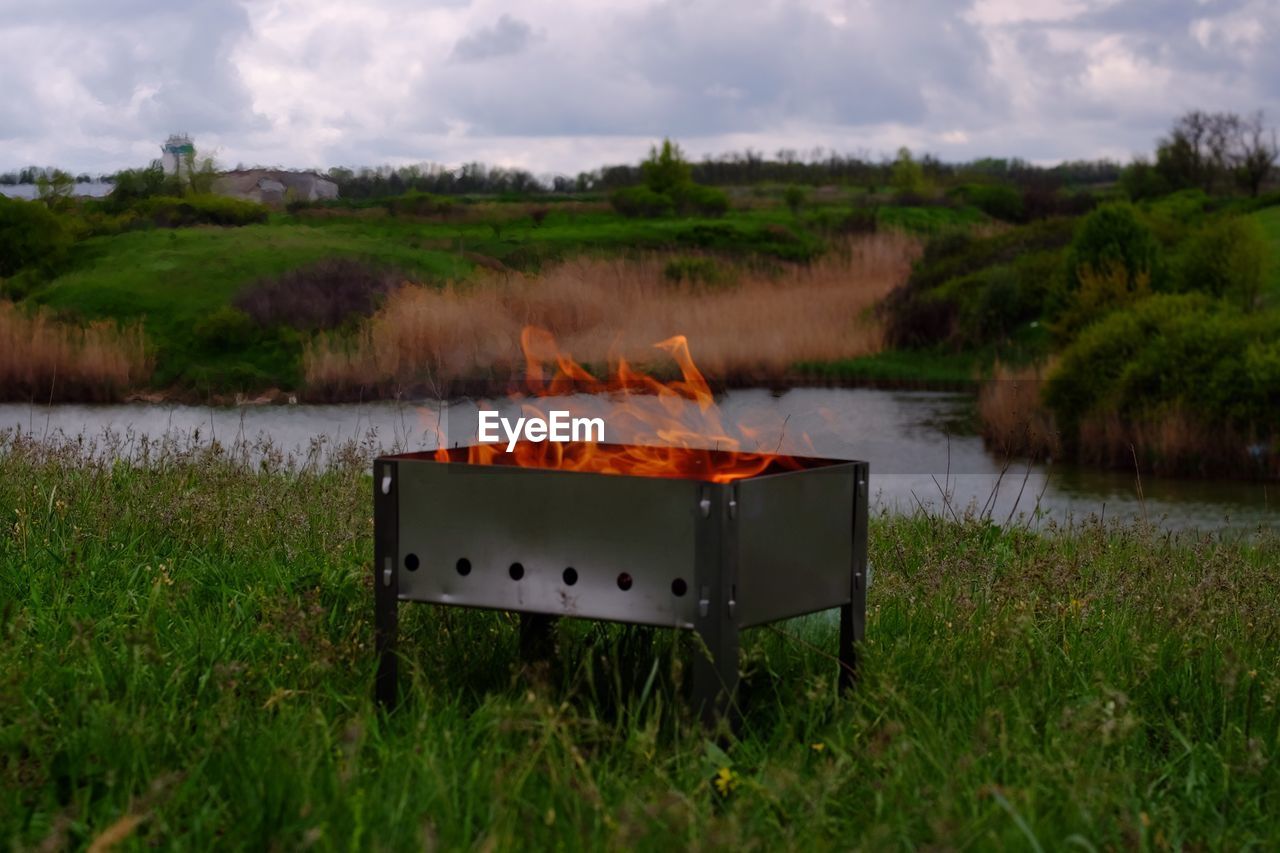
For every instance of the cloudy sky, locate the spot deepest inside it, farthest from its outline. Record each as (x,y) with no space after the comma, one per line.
(567,85)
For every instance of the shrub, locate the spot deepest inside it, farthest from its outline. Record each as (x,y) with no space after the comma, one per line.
(1172,353)
(695,271)
(134,185)
(666,169)
(1141,181)
(30,236)
(225,330)
(1099,293)
(704,201)
(415,203)
(322,295)
(171,212)
(641,202)
(860,220)
(996,308)
(1112,236)
(956,290)
(995,200)
(795,198)
(907,175)
(1226,259)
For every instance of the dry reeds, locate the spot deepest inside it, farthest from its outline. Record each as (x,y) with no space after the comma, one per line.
(755,327)
(42,358)
(1176,443)
(1013,419)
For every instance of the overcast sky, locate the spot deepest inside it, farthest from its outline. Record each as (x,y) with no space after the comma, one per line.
(567,85)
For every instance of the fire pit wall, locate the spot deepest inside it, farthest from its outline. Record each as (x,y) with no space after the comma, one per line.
(677,553)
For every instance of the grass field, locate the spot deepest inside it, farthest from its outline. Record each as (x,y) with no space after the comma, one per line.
(907,368)
(173,280)
(1269,219)
(185,662)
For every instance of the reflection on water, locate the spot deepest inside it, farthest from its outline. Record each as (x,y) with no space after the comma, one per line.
(916,443)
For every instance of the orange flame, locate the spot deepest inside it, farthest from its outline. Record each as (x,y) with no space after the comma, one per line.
(669,439)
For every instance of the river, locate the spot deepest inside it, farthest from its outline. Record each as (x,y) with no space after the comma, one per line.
(920,446)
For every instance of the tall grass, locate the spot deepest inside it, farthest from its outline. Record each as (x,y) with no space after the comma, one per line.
(1014,421)
(186,662)
(1013,418)
(755,326)
(1177,443)
(46,359)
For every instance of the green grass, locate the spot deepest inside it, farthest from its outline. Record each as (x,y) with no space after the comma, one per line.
(173,279)
(185,660)
(928,368)
(1269,219)
(928,220)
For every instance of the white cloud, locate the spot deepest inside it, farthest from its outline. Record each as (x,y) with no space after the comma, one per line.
(574,84)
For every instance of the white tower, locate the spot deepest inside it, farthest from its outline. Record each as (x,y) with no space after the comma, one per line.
(178,152)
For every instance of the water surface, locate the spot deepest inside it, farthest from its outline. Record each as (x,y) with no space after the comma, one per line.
(920,445)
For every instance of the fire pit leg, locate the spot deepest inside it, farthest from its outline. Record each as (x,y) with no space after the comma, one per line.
(537,638)
(853,616)
(386,583)
(715,670)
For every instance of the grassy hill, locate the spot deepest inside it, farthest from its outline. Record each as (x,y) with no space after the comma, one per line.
(180,282)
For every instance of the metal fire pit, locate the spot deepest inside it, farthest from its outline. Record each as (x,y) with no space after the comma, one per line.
(678,553)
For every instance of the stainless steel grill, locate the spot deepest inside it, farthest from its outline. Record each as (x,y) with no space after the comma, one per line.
(680,553)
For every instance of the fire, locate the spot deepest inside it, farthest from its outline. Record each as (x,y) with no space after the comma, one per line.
(673,428)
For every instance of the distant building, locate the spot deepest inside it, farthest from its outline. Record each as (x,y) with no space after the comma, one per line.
(275,187)
(178,153)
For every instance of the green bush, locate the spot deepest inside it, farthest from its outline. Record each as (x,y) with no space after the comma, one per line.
(1226,258)
(225,330)
(1141,181)
(1002,299)
(641,202)
(833,220)
(946,299)
(995,200)
(171,212)
(1172,352)
(697,271)
(700,200)
(415,203)
(134,185)
(795,198)
(30,237)
(1111,236)
(666,170)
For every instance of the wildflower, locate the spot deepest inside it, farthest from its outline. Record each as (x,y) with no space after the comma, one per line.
(725,781)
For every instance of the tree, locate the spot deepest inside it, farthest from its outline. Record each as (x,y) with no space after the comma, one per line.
(1256,153)
(30,236)
(907,175)
(666,169)
(1207,150)
(1112,239)
(55,189)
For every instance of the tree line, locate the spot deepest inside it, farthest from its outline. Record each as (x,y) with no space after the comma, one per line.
(1217,152)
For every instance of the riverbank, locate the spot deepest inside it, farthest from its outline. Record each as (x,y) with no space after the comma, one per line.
(921,446)
(187,658)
